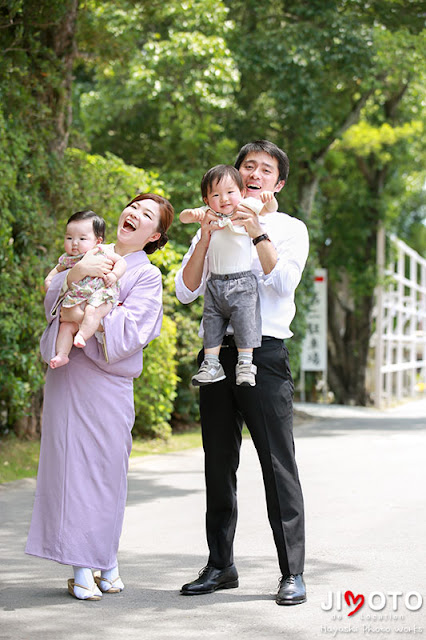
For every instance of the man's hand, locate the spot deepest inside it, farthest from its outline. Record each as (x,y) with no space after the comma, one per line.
(243,216)
(209,224)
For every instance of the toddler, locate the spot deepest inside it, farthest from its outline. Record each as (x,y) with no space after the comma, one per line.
(231,291)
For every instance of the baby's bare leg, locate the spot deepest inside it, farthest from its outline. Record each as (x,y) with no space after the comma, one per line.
(73,314)
(90,324)
(64,342)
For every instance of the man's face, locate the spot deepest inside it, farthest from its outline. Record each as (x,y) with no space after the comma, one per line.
(259,172)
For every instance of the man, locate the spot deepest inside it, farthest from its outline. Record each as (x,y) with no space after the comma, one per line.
(280,251)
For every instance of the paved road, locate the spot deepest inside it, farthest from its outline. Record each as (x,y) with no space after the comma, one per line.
(364,478)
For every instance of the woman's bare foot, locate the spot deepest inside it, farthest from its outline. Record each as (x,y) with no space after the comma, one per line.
(59,360)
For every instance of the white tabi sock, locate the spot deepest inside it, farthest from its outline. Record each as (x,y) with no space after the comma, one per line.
(84,577)
(110,579)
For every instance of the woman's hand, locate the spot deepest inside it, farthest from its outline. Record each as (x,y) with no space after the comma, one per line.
(96,264)
(92,264)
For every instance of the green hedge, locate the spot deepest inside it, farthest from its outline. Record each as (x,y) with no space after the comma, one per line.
(37,195)
(155,390)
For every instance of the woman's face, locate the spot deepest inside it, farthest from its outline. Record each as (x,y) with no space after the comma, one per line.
(138,225)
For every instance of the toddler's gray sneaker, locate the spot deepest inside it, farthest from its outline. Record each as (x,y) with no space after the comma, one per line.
(207,374)
(245,374)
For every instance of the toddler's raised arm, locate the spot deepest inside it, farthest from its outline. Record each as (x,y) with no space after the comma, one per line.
(270,203)
(192,215)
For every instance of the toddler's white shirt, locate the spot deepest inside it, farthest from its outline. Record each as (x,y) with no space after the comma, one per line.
(230,249)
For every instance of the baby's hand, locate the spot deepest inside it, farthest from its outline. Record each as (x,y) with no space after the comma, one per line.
(192,215)
(267,196)
(110,279)
(270,203)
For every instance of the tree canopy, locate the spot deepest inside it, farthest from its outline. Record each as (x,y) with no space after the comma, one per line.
(99,99)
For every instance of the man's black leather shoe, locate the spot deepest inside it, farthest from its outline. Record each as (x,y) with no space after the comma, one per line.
(211,579)
(292,590)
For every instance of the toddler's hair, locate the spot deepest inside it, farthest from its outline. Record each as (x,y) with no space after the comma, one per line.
(216,174)
(98,222)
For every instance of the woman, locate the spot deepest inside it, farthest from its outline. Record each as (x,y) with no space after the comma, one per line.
(88,409)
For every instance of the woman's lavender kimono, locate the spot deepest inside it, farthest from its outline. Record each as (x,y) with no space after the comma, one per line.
(88,416)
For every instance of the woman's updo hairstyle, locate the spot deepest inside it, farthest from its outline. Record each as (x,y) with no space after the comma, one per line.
(166,218)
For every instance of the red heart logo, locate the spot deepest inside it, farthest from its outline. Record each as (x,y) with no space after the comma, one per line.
(360,597)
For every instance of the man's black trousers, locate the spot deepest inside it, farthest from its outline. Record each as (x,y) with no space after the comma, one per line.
(267,410)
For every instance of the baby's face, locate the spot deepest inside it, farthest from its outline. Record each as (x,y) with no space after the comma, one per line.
(80,237)
(224,196)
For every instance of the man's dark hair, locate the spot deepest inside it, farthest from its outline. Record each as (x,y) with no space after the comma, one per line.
(98,222)
(216,174)
(271,149)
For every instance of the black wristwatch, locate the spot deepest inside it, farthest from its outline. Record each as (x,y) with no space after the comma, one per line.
(264,236)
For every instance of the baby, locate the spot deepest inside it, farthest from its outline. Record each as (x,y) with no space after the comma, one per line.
(231,294)
(89,300)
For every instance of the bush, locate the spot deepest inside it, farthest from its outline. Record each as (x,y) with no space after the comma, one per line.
(187,319)
(37,195)
(155,390)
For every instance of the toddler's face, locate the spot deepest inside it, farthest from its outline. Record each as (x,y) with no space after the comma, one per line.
(224,196)
(80,237)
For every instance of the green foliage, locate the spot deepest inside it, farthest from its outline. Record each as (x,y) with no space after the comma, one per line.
(176,87)
(23,226)
(164,101)
(187,319)
(155,390)
(30,242)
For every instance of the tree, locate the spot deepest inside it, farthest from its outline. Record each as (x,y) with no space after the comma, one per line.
(42,184)
(367,170)
(36,49)
(163,100)
(314,74)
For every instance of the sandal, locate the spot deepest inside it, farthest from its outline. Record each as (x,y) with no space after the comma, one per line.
(112,589)
(72,584)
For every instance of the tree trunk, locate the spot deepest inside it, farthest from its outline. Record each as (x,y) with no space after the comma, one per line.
(307,192)
(29,426)
(49,33)
(348,342)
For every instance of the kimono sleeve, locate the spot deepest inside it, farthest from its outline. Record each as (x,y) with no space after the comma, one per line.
(130,326)
(52,301)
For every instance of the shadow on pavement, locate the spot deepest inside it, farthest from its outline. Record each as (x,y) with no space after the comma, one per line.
(321,426)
